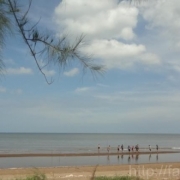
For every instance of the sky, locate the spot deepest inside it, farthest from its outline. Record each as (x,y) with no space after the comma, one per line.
(137,43)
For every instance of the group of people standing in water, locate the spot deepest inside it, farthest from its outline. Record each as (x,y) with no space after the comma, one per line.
(157,147)
(136,147)
(130,148)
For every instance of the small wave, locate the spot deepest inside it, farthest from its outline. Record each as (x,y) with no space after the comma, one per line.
(175,147)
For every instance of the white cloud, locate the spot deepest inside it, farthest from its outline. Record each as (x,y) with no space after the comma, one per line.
(9,62)
(114,49)
(139,97)
(49,72)
(172,78)
(173,65)
(3,89)
(72,72)
(102,19)
(109,29)
(164,15)
(83,89)
(19,71)
(16,91)
(149,58)
(115,54)
(19,91)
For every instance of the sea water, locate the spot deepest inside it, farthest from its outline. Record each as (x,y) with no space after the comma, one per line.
(82,143)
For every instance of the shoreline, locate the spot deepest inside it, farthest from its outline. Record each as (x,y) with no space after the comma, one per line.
(85,154)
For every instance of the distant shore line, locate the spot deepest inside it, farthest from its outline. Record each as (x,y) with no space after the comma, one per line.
(85,154)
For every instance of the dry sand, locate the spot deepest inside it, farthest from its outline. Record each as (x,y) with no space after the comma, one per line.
(159,171)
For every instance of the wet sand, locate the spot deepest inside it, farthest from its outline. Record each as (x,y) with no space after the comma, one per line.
(168,171)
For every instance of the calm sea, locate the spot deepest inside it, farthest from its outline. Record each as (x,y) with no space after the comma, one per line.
(78,143)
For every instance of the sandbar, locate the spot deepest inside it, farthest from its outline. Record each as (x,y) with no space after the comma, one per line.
(85,154)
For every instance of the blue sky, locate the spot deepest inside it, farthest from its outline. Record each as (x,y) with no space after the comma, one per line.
(139,44)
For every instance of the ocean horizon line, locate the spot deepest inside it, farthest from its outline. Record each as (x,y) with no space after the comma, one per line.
(89,133)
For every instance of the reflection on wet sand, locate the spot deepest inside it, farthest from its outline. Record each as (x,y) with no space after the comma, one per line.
(149,157)
(137,157)
(157,158)
(108,159)
(134,158)
(129,159)
(122,156)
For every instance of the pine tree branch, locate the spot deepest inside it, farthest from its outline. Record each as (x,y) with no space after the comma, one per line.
(26,41)
(56,51)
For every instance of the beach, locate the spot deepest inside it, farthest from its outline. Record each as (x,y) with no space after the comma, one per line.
(147,170)
(76,156)
(154,171)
